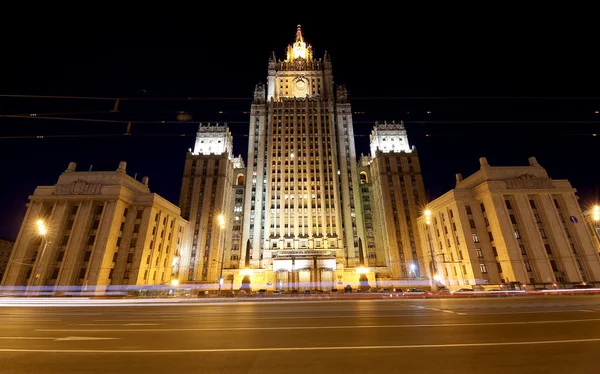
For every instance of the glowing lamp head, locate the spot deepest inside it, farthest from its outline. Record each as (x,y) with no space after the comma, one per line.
(596,213)
(174,282)
(427,216)
(362,270)
(413,267)
(41,227)
(221,219)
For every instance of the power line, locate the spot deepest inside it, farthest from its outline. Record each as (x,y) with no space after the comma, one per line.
(351,98)
(32,116)
(516,121)
(93,136)
(242,135)
(59,97)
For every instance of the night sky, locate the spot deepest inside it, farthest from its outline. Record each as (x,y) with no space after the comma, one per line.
(503,87)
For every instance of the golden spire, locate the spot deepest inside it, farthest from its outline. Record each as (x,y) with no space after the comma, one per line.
(299,34)
(299,49)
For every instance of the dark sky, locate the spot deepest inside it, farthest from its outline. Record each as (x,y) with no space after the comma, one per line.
(498,83)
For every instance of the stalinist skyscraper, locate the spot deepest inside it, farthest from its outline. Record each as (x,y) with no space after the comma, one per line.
(300,217)
(303,212)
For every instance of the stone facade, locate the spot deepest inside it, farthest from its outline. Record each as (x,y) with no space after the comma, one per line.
(206,193)
(100,228)
(311,215)
(6,246)
(508,226)
(399,195)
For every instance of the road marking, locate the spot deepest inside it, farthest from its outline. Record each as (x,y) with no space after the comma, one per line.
(73,314)
(327,327)
(439,310)
(525,312)
(25,320)
(68,338)
(287,349)
(121,324)
(355,316)
(139,320)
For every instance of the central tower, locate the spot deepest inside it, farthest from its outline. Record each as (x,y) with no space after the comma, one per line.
(300,218)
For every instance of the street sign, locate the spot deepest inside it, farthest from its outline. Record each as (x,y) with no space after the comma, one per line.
(573,219)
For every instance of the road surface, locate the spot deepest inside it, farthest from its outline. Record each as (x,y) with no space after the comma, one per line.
(539,334)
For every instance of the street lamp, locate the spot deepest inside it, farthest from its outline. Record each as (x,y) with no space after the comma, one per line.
(221,219)
(42,230)
(596,220)
(432,264)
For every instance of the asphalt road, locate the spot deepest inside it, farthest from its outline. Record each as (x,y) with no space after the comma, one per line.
(539,334)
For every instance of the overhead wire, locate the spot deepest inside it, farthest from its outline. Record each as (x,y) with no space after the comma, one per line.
(62,116)
(190,98)
(34,116)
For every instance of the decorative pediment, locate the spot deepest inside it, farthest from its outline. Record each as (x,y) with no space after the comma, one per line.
(525,181)
(78,187)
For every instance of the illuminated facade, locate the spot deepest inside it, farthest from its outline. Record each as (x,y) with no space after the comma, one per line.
(399,197)
(6,247)
(97,228)
(508,225)
(301,224)
(206,193)
(303,212)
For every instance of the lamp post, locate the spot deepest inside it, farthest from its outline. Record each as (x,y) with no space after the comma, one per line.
(596,220)
(412,272)
(432,264)
(42,231)
(221,219)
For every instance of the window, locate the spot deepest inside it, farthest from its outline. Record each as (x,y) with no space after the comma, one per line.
(479,252)
(483,268)
(527,265)
(517,234)
(542,233)
(475,238)
(532,204)
(491,236)
(508,204)
(522,247)
(468,208)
